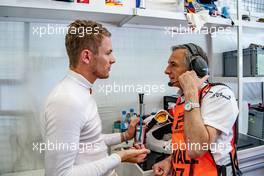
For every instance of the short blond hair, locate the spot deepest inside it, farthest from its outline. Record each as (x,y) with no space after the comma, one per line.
(82,35)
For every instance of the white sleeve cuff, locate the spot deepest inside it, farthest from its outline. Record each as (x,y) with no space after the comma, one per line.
(116,157)
(112,139)
(115,161)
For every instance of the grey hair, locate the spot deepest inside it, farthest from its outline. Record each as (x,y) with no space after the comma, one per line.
(188,54)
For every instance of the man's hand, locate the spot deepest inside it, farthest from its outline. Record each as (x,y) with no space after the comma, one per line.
(133,155)
(163,167)
(131,129)
(189,81)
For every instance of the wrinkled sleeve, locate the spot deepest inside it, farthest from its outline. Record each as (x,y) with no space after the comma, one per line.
(64,121)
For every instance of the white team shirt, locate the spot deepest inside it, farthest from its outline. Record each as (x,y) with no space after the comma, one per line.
(219,110)
(71,122)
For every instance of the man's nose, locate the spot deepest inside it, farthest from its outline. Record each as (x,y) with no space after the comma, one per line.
(167,71)
(112,61)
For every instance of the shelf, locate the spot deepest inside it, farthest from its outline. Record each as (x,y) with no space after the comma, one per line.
(159,18)
(126,15)
(245,12)
(219,21)
(251,24)
(253,79)
(235,79)
(55,10)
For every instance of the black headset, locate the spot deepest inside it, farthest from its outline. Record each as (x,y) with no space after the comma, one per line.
(198,60)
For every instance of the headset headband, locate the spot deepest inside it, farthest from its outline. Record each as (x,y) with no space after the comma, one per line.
(193,49)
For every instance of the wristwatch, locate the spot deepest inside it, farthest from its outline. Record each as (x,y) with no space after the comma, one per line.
(190,105)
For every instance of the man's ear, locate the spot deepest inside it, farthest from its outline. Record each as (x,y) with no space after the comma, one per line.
(86,56)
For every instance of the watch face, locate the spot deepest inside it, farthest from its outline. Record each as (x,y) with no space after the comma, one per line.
(187,106)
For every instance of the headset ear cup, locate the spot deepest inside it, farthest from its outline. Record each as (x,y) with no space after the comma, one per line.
(200,66)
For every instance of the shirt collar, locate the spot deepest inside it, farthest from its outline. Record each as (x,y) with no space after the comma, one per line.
(78,78)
